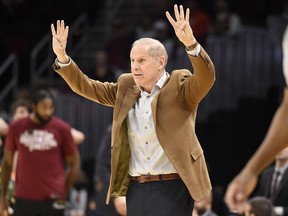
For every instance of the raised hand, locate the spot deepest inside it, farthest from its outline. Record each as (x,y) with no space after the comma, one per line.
(182,26)
(59,41)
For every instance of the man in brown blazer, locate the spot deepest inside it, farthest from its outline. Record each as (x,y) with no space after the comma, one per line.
(157,160)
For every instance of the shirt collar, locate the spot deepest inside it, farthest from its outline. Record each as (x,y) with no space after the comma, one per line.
(159,83)
(162,80)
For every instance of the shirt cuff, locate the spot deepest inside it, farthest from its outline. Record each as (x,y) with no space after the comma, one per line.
(279,210)
(195,52)
(61,65)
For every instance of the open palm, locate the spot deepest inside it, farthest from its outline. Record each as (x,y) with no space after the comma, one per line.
(182,26)
(59,38)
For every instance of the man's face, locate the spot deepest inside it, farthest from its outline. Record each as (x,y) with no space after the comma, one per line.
(44,110)
(20,112)
(146,70)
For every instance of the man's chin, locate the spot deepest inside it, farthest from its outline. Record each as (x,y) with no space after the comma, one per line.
(137,80)
(44,121)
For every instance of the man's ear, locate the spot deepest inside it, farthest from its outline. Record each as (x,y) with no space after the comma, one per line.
(162,61)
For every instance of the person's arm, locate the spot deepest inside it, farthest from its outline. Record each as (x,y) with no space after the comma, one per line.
(77,136)
(275,140)
(203,68)
(3,127)
(7,163)
(79,82)
(73,168)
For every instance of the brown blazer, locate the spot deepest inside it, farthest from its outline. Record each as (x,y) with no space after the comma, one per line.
(174,114)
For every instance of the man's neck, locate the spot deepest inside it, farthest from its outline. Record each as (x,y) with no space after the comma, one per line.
(281,163)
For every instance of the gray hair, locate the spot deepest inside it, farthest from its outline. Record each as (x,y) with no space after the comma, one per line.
(155,47)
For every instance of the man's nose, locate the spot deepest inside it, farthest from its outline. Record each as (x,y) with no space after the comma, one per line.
(134,67)
(48,112)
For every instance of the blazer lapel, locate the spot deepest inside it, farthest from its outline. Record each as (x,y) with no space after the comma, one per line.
(154,101)
(153,108)
(129,99)
(268,182)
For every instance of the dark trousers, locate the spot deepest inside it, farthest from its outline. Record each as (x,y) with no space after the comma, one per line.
(24,207)
(161,198)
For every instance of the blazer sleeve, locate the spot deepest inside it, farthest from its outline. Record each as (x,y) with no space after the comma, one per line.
(99,92)
(195,86)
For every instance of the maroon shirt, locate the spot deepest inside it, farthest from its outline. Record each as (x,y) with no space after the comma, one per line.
(40,172)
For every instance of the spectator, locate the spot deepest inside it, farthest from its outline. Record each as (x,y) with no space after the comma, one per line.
(43,142)
(146,27)
(273,183)
(225,22)
(118,45)
(101,70)
(260,206)
(162,34)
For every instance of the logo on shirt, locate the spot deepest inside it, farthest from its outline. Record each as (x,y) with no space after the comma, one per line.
(38,140)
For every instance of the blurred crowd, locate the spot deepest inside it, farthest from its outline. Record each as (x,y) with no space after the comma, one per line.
(20,30)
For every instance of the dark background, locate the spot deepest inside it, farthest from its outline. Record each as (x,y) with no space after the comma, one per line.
(228,137)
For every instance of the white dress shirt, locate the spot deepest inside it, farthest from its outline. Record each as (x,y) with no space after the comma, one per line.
(147,155)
